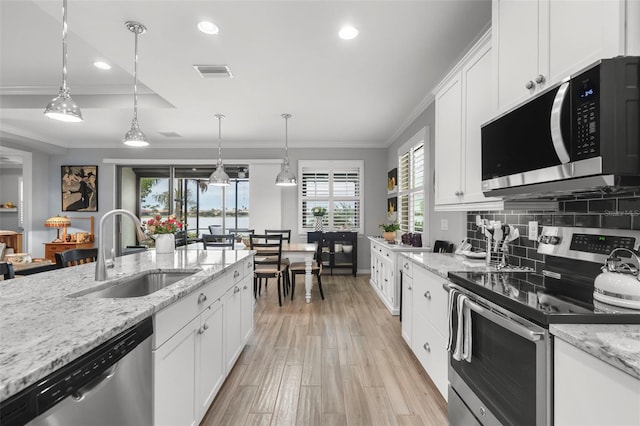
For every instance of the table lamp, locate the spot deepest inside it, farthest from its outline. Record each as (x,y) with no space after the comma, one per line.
(58,222)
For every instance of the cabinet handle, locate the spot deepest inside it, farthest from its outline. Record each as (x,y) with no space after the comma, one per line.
(427,347)
(427,294)
(236,274)
(245,287)
(530,84)
(540,79)
(249,265)
(204,328)
(483,412)
(202,298)
(409,288)
(236,290)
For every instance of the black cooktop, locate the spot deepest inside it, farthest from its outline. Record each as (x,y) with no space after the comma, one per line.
(525,294)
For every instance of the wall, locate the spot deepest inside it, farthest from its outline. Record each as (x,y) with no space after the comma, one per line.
(456,220)
(613,212)
(9,192)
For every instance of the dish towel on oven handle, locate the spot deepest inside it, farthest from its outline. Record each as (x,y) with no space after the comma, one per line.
(462,350)
(453,294)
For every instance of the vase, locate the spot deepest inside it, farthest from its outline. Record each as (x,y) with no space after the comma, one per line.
(389,235)
(165,243)
(319,226)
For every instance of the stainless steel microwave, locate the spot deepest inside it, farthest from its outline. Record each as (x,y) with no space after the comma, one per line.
(580,135)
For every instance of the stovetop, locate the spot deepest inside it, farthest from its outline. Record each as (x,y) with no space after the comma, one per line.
(525,294)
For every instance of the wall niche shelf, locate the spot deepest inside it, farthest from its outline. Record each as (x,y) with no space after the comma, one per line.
(8,210)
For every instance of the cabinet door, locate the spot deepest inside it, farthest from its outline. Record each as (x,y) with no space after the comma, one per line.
(174,372)
(517,48)
(448,141)
(431,299)
(210,360)
(480,103)
(581,32)
(388,281)
(232,325)
(407,308)
(430,349)
(247,304)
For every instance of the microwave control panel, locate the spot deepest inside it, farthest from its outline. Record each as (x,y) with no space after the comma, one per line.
(585,92)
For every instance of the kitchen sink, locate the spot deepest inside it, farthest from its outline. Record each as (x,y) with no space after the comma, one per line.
(141,285)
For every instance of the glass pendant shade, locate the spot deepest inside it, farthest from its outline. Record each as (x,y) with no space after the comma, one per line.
(219,177)
(62,107)
(286,176)
(135,137)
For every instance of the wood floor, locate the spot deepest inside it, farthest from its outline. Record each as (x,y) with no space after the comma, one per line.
(341,361)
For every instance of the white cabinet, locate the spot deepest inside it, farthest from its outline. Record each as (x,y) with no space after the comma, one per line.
(588,391)
(539,42)
(197,340)
(464,101)
(383,276)
(407,300)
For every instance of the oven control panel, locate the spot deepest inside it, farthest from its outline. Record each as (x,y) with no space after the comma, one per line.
(600,244)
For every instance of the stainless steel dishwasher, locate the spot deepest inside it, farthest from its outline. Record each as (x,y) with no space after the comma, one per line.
(111,385)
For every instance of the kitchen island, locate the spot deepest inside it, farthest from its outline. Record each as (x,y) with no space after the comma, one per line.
(47,321)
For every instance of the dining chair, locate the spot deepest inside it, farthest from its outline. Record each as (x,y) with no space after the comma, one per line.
(286,238)
(38,269)
(441,246)
(300,268)
(218,241)
(181,238)
(237,231)
(267,262)
(76,257)
(6,270)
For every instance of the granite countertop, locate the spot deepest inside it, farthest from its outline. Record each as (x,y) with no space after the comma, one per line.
(443,263)
(398,246)
(42,327)
(616,344)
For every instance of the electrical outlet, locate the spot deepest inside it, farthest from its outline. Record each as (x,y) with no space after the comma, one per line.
(533,230)
(444,224)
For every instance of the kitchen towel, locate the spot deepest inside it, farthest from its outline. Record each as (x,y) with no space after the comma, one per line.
(457,353)
(466,344)
(453,294)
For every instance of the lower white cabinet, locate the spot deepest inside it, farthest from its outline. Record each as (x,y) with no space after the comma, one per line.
(588,391)
(424,322)
(197,341)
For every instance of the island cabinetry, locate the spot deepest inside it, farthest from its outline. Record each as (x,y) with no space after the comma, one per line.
(539,43)
(589,391)
(196,343)
(407,299)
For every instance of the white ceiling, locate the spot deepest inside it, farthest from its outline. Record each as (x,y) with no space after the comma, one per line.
(285,57)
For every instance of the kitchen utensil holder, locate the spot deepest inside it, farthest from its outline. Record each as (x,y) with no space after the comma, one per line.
(495,258)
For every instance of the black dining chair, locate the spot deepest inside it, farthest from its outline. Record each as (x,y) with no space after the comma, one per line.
(76,257)
(441,246)
(267,262)
(243,231)
(218,241)
(181,238)
(286,238)
(300,268)
(6,270)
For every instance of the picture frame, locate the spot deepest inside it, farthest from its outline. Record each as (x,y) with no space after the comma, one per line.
(392,209)
(79,188)
(392,181)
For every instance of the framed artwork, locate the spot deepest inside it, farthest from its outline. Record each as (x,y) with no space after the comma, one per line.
(79,188)
(392,209)
(392,181)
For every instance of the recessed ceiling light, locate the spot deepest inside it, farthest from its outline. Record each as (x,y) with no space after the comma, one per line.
(208,27)
(102,65)
(348,33)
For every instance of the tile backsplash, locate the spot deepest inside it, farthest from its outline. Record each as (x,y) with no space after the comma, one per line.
(621,211)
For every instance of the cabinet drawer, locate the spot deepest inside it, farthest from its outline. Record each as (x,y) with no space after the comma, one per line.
(430,349)
(431,300)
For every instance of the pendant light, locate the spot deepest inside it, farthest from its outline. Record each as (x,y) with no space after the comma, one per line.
(219,177)
(134,136)
(286,177)
(62,107)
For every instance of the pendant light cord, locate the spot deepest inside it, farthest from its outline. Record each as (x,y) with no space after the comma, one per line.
(286,138)
(64,46)
(135,78)
(219,117)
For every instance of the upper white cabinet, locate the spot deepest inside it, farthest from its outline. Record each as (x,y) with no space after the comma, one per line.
(537,43)
(464,101)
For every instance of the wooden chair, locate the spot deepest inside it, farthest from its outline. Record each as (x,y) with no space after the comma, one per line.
(267,262)
(6,270)
(286,238)
(218,241)
(441,246)
(76,257)
(300,268)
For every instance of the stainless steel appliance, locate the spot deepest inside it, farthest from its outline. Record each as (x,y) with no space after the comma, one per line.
(580,135)
(110,385)
(506,376)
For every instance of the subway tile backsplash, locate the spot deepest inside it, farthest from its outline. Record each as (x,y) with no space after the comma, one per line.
(621,211)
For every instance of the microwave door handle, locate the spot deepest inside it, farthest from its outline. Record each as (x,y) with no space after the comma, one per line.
(505,322)
(555,124)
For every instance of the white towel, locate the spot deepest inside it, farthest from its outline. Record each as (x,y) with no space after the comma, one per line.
(466,346)
(457,353)
(452,297)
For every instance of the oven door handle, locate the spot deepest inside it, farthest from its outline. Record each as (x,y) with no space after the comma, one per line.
(505,322)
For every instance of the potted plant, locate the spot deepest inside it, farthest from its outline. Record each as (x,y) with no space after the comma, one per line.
(318,213)
(390,230)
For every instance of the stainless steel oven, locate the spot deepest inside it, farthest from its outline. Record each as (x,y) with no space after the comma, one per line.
(506,378)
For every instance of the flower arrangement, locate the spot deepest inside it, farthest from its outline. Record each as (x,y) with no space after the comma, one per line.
(390,227)
(319,211)
(170,225)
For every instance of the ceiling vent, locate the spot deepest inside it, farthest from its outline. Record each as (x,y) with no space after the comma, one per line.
(213,71)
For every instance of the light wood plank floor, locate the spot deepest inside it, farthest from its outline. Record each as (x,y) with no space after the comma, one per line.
(341,361)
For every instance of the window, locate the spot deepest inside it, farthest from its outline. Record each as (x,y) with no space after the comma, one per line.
(336,186)
(411,173)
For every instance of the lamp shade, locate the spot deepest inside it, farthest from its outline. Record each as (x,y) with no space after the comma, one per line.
(57,222)
(286,177)
(63,108)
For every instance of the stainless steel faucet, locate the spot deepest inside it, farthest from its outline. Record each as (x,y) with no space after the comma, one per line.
(101,263)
